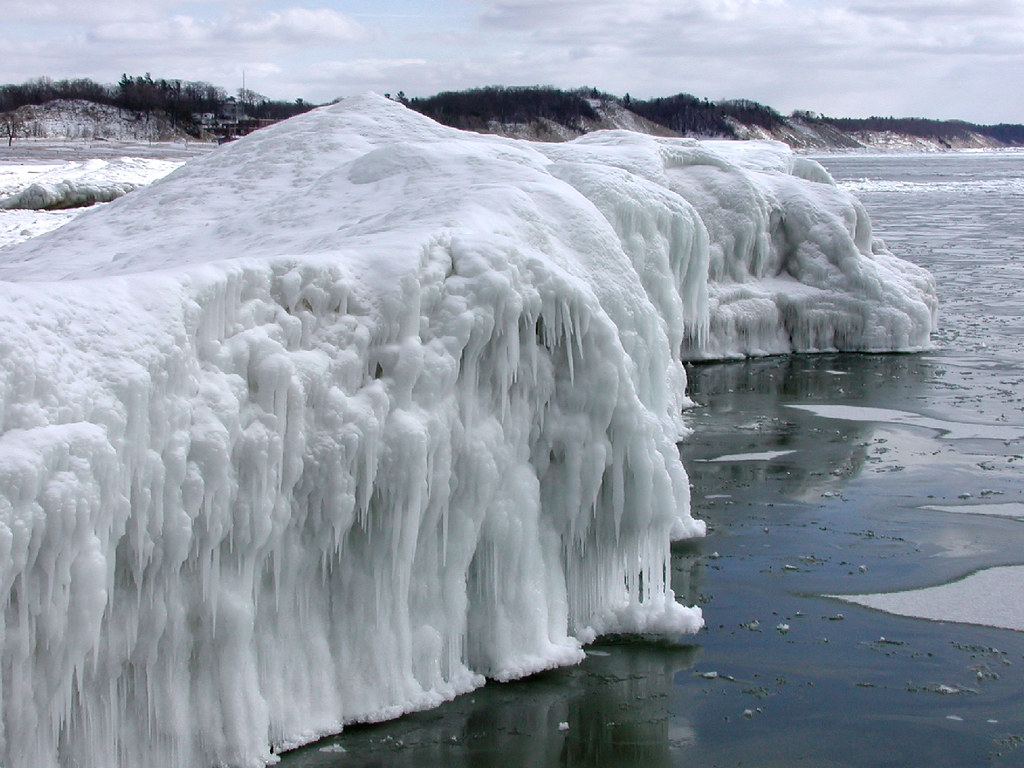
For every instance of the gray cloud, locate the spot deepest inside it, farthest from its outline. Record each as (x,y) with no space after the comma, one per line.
(933,58)
(293,26)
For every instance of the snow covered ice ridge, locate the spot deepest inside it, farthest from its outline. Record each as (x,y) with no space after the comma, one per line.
(330,424)
(80,184)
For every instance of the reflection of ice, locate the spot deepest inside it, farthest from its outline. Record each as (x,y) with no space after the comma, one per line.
(951,429)
(687,574)
(808,456)
(623,715)
(612,710)
(989,597)
(958,542)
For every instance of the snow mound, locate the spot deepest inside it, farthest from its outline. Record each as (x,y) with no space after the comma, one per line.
(336,420)
(793,265)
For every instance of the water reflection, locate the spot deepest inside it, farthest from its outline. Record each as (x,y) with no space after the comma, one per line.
(806,377)
(613,710)
(744,409)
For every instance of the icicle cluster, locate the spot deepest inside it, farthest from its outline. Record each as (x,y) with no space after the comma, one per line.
(334,422)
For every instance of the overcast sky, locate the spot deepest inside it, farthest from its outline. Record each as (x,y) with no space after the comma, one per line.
(845,58)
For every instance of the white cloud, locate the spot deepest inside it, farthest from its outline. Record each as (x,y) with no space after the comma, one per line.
(73,12)
(178,30)
(294,26)
(297,25)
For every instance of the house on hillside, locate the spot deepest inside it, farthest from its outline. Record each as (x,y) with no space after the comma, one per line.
(230,122)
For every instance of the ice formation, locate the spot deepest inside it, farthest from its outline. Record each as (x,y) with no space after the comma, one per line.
(80,184)
(335,421)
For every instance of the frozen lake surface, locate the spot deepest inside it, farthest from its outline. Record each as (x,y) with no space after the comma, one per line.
(891,480)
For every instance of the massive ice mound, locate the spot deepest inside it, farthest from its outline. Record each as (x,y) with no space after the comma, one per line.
(335,421)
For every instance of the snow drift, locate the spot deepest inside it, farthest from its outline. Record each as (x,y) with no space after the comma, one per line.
(333,422)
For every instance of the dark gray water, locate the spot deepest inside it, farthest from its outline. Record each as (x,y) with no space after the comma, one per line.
(782,675)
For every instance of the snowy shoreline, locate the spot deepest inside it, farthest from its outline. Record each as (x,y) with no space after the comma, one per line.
(328,425)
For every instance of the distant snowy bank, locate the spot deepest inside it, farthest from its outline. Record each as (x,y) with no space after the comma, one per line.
(85,120)
(330,424)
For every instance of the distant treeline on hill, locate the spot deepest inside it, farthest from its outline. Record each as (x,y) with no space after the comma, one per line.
(181,100)
(479,109)
(690,115)
(475,109)
(942,130)
(683,113)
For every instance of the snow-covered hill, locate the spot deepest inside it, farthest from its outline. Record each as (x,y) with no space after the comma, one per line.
(818,135)
(339,419)
(610,116)
(75,120)
(548,114)
(798,133)
(63,119)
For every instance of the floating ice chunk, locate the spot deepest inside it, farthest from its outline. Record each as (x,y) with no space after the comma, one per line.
(1014,509)
(954,430)
(758,456)
(984,597)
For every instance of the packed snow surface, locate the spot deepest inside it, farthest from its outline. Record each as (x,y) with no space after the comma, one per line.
(330,424)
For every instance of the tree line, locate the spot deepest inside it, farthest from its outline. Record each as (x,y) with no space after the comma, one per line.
(941,130)
(692,116)
(682,113)
(181,100)
(476,108)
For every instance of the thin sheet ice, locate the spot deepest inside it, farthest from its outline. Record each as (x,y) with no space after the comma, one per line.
(338,420)
(979,598)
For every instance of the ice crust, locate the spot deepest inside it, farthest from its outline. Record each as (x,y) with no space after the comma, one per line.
(334,422)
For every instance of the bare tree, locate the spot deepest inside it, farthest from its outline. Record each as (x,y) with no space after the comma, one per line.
(12,126)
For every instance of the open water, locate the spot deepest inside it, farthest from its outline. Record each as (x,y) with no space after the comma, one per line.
(817,475)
